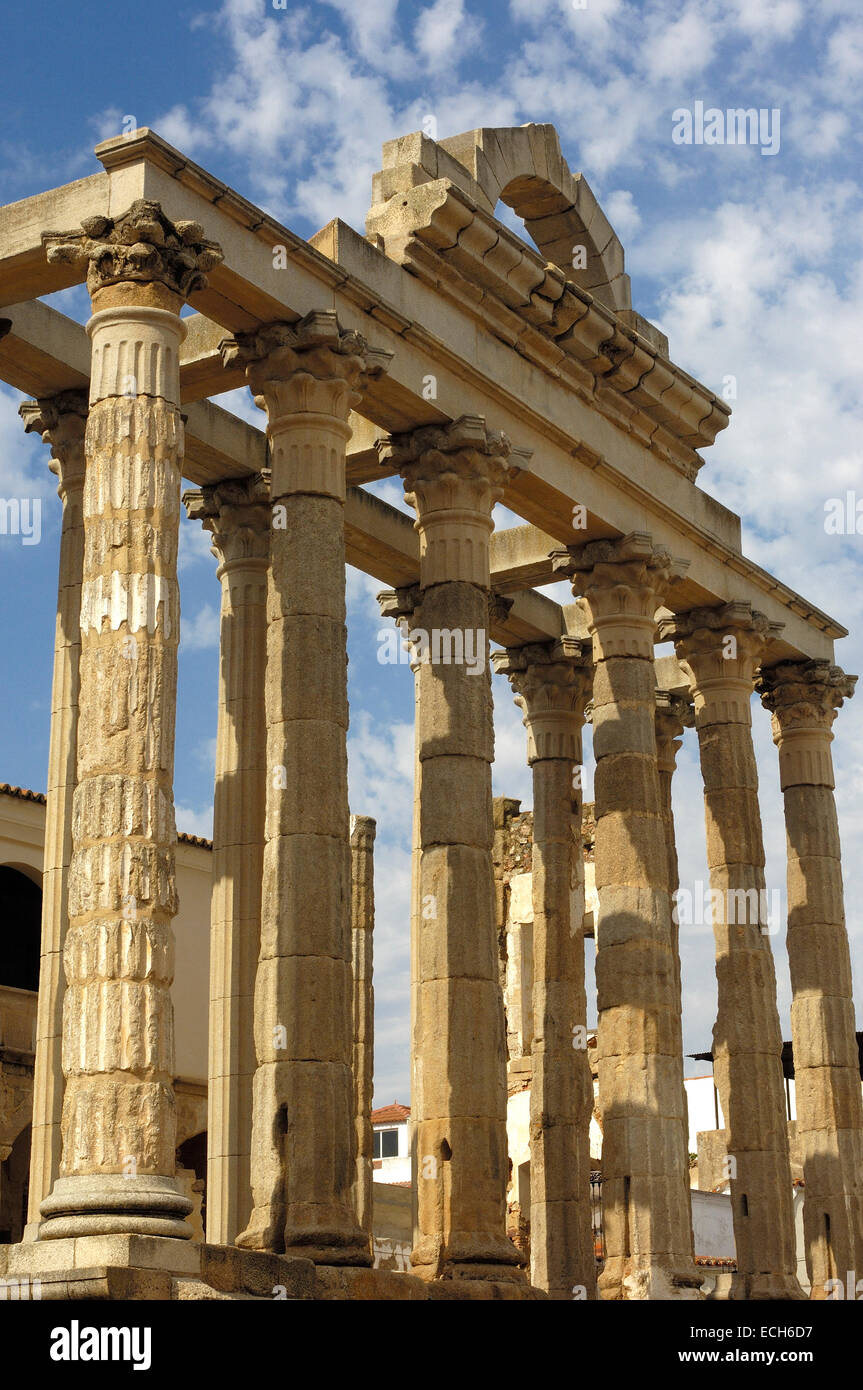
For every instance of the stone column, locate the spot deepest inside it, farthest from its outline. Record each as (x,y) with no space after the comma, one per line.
(307,377)
(362,927)
(719,648)
(645,1174)
(674,713)
(60,421)
(237,513)
(453,476)
(552,682)
(401,605)
(119,1124)
(803,697)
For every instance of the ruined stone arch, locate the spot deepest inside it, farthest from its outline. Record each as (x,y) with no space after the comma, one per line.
(524,168)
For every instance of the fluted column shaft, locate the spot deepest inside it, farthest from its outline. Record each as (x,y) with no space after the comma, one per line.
(453,475)
(644,1164)
(803,698)
(61,422)
(401,605)
(119,1123)
(719,649)
(673,715)
(307,378)
(237,513)
(362,928)
(552,684)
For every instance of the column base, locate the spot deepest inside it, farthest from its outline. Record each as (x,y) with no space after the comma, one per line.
(322,1246)
(624,1280)
(107,1204)
(765,1288)
(468,1257)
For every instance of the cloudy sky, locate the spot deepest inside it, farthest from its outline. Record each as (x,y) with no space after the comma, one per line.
(749,261)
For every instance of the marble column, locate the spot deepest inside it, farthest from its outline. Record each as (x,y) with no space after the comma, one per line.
(60,420)
(803,698)
(117,1173)
(719,649)
(645,1172)
(552,684)
(453,476)
(307,377)
(362,928)
(237,514)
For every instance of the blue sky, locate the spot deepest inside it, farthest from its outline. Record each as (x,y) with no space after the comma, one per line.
(750,263)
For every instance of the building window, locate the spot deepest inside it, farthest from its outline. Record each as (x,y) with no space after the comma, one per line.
(386,1143)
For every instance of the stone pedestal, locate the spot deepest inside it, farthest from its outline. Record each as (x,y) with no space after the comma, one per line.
(719,649)
(552,683)
(453,475)
(803,698)
(307,377)
(61,422)
(644,1162)
(119,1128)
(362,928)
(238,516)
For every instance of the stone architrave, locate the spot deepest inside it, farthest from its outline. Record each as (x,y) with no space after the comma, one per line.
(362,929)
(453,476)
(117,1172)
(645,1172)
(61,421)
(719,649)
(237,514)
(803,698)
(307,377)
(552,684)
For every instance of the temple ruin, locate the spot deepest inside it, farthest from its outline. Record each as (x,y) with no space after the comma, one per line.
(443,348)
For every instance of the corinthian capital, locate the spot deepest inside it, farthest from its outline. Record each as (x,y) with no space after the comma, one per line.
(621,584)
(719,649)
(142,246)
(552,684)
(674,713)
(803,694)
(453,475)
(61,420)
(309,366)
(237,514)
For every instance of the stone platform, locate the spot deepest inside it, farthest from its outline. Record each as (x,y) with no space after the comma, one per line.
(141,1268)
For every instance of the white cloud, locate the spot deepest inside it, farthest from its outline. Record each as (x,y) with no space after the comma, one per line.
(192,822)
(200,632)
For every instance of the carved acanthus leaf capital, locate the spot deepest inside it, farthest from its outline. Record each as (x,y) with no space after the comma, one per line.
(237,513)
(462,465)
(61,420)
(308,366)
(803,694)
(621,584)
(552,684)
(719,649)
(674,713)
(142,246)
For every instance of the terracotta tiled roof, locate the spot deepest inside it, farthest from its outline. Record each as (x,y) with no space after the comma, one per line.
(715,1262)
(24,794)
(391,1114)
